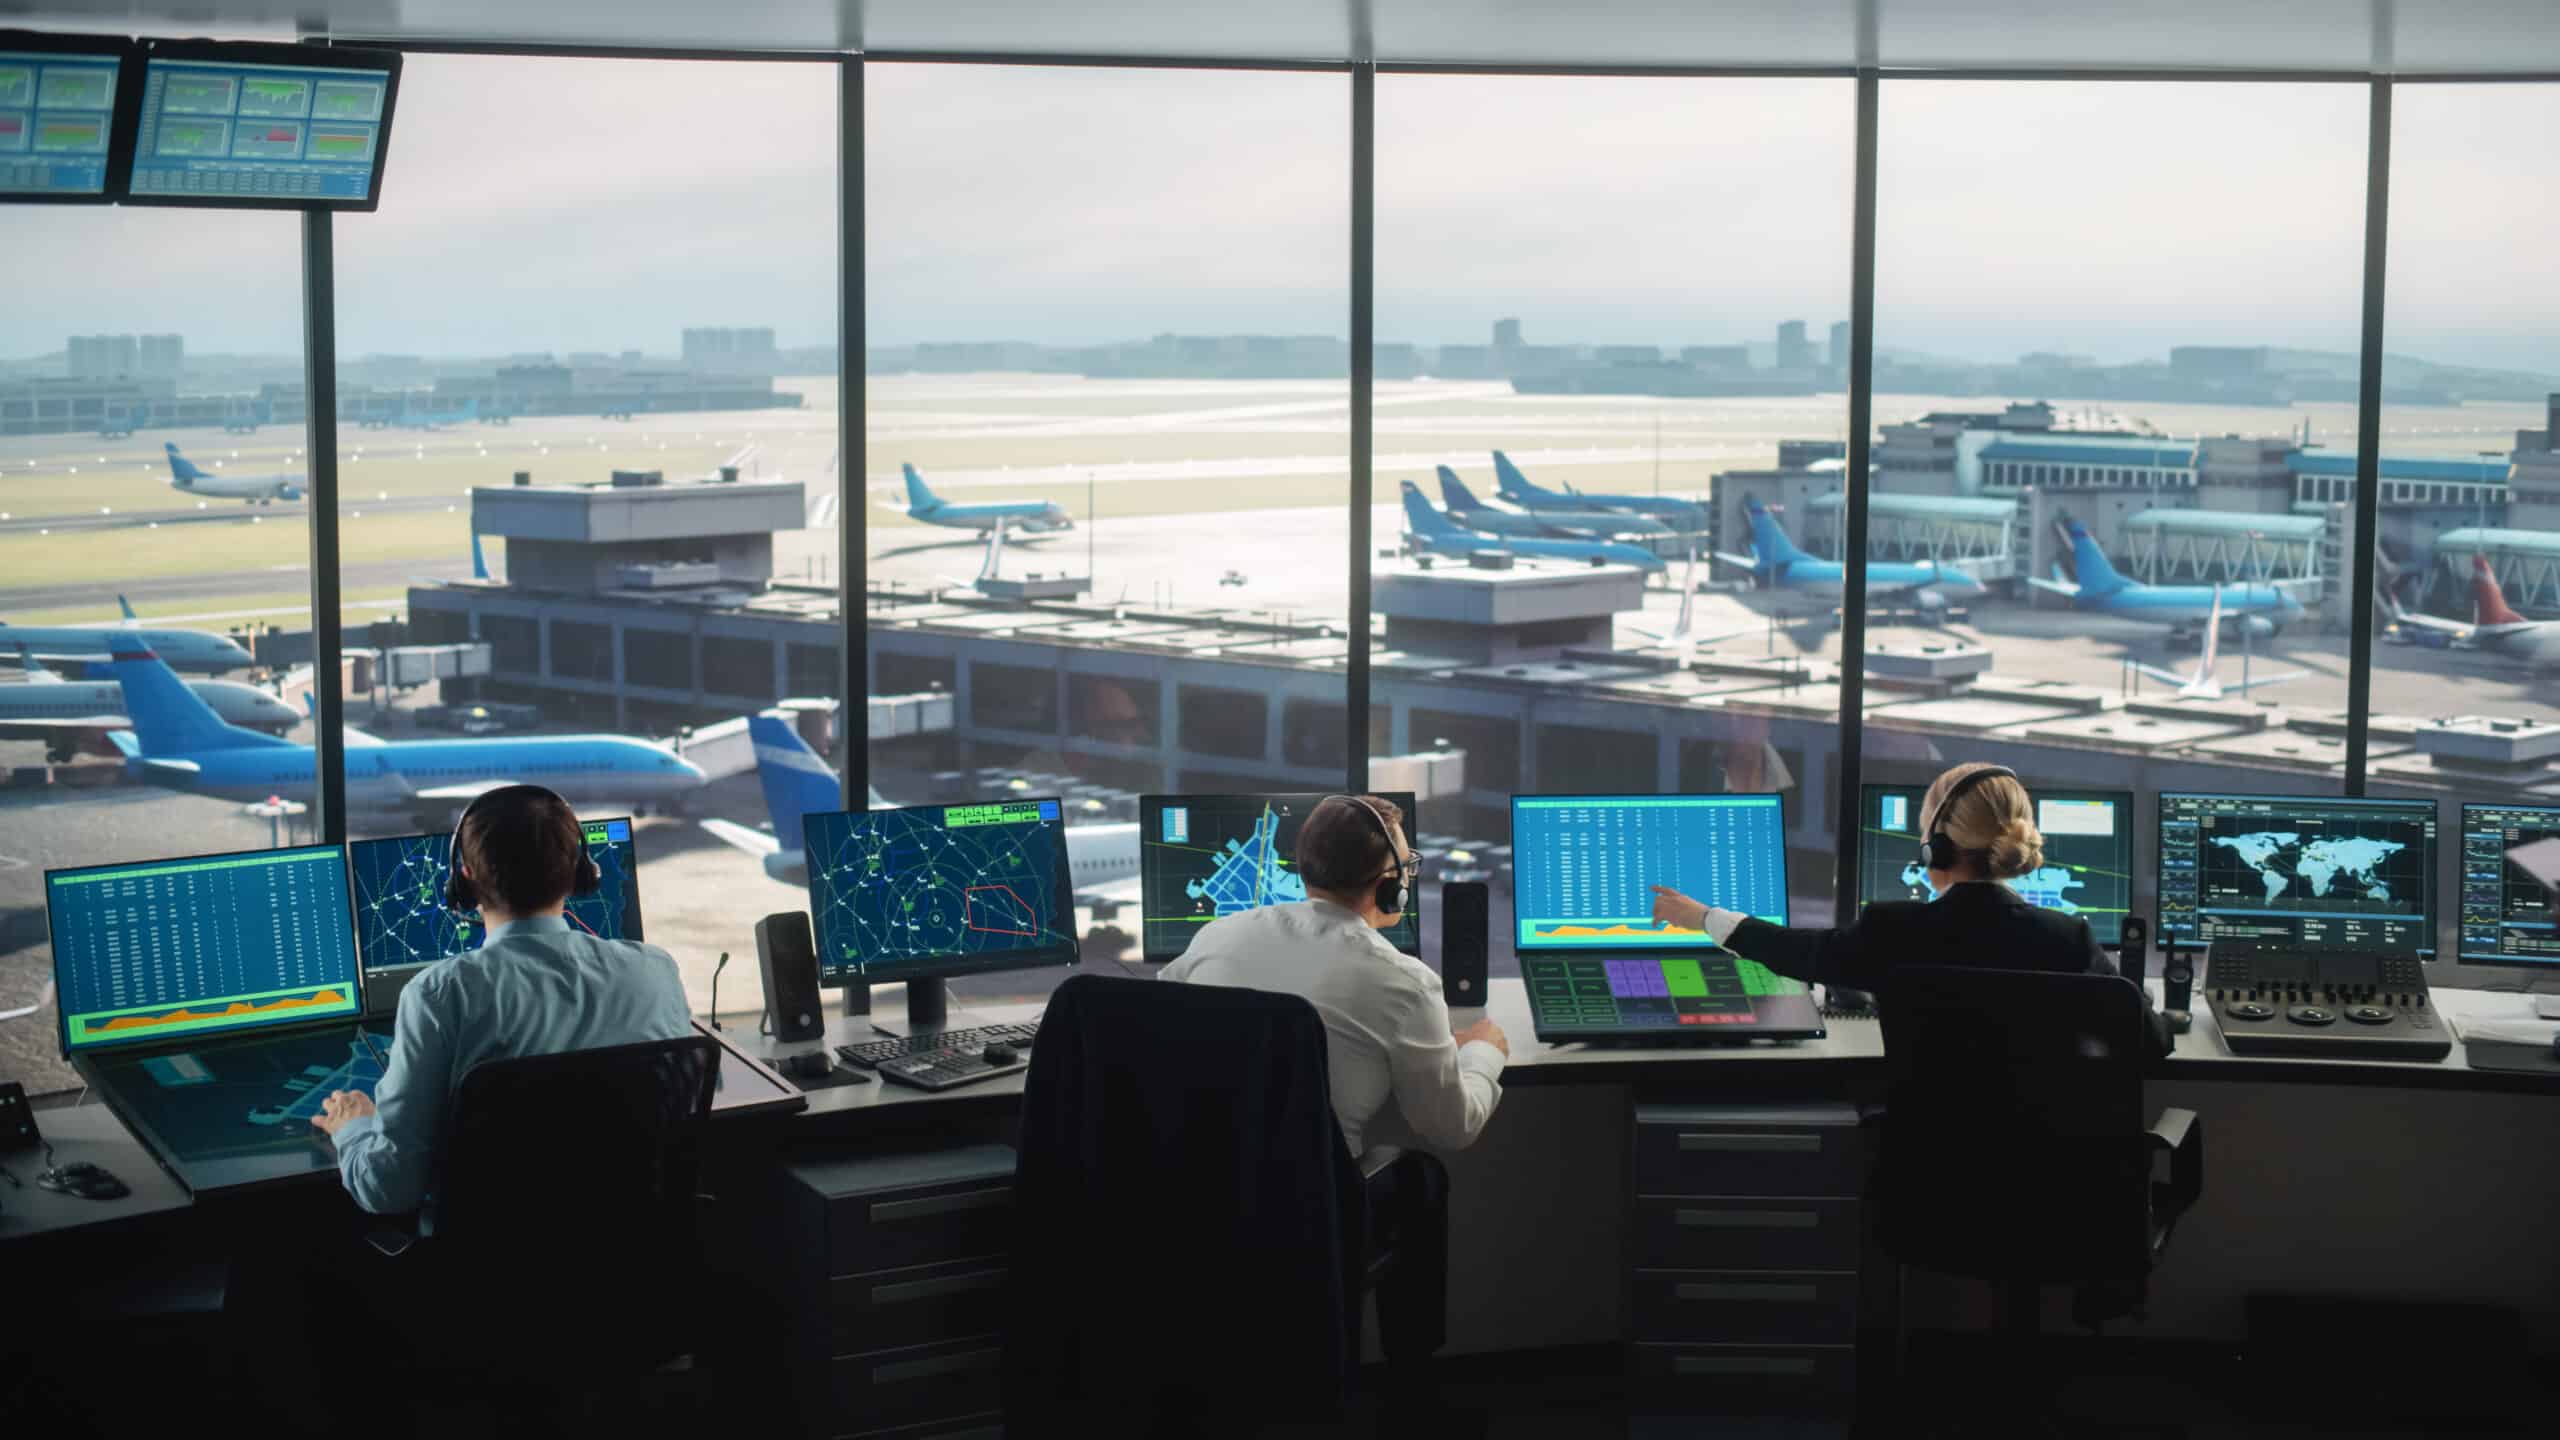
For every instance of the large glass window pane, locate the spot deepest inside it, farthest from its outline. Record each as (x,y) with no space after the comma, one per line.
(151,454)
(588,421)
(2468,560)
(2113,337)
(1610,310)
(1107,312)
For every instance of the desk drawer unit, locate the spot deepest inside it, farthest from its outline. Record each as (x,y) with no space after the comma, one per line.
(1745,1239)
(901,1265)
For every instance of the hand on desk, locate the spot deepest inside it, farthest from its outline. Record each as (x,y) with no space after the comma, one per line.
(341,1107)
(1488,1032)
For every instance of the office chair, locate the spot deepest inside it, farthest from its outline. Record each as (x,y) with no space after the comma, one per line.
(1192,1250)
(2013,1145)
(565,1251)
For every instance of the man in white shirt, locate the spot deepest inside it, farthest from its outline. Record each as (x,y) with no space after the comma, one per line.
(1399,1077)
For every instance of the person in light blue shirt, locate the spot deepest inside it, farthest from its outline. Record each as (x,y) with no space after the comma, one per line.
(536,986)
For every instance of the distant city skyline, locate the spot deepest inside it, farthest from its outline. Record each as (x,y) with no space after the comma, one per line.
(1071,206)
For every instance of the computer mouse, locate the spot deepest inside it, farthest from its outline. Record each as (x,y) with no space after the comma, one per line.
(87,1181)
(1000,1054)
(811,1066)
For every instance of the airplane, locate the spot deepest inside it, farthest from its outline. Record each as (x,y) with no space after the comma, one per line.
(1433,533)
(1102,859)
(1686,516)
(75,715)
(177,741)
(2203,684)
(2259,610)
(1467,510)
(2494,628)
(1778,565)
(199,651)
(1023,517)
(185,477)
(1683,638)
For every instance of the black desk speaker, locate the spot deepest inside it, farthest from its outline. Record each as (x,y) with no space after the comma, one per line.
(789,959)
(1466,930)
(2135,959)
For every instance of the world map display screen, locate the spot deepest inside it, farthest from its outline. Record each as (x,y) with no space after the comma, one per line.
(933,890)
(2310,870)
(1203,856)
(2088,853)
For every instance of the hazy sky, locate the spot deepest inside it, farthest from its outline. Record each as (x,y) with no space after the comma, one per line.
(556,205)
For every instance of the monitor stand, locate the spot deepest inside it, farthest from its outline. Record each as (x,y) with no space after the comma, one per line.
(929,1012)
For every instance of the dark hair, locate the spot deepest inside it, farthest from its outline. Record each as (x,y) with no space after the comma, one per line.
(1340,849)
(523,846)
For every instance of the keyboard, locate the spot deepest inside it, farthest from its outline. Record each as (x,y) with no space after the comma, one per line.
(942,1060)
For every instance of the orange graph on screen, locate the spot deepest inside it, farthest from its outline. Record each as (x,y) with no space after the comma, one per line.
(1604,931)
(236,1007)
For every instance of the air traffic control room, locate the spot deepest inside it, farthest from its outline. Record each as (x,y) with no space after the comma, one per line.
(1418,717)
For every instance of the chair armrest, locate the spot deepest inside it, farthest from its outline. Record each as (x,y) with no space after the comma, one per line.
(2179,1137)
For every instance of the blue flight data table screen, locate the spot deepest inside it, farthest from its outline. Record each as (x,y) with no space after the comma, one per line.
(258,132)
(401,919)
(57,113)
(932,889)
(172,948)
(1585,866)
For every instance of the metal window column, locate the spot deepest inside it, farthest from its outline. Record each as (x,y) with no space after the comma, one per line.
(1853,504)
(1364,176)
(320,440)
(2377,228)
(852,463)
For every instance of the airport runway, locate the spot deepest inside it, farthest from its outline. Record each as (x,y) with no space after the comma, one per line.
(215,512)
(189,588)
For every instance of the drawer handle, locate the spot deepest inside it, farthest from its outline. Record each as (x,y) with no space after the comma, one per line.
(1748,1219)
(1721,1290)
(900,1372)
(942,1204)
(907,1290)
(1742,1365)
(1755,1144)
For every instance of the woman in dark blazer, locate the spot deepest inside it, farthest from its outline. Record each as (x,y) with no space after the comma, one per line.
(1981,829)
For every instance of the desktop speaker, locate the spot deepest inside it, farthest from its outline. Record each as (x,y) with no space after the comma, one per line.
(2178,988)
(789,959)
(2135,960)
(1466,929)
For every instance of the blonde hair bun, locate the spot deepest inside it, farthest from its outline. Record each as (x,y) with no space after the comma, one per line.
(2017,850)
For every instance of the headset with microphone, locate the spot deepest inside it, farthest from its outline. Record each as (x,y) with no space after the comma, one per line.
(1392,891)
(463,894)
(1938,850)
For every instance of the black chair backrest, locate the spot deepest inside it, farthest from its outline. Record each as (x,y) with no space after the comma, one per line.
(2013,1137)
(1187,1210)
(585,1158)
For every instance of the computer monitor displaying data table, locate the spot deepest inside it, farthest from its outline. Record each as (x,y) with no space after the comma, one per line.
(59,115)
(1585,866)
(2507,915)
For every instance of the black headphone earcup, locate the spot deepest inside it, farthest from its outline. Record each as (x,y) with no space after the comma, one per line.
(590,876)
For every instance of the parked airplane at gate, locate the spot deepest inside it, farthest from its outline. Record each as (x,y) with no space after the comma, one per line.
(1102,859)
(1022,517)
(178,741)
(1433,533)
(71,716)
(2494,628)
(1778,565)
(2258,609)
(1561,524)
(187,479)
(2204,684)
(1686,516)
(197,651)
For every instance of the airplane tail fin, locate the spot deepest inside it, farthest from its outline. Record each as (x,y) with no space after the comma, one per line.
(2212,638)
(796,779)
(180,467)
(2489,599)
(479,561)
(1420,518)
(918,497)
(1512,485)
(2098,575)
(1455,494)
(1770,539)
(168,718)
(127,607)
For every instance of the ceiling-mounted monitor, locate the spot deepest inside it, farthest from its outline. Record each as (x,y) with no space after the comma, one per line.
(251,126)
(60,143)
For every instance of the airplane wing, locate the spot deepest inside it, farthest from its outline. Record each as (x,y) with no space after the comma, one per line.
(2165,677)
(1742,562)
(2457,628)
(2254,681)
(43,997)
(758,843)
(466,792)
(170,769)
(2058,587)
(358,739)
(53,722)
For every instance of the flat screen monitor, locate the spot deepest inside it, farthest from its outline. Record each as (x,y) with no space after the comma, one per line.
(201,947)
(59,117)
(262,126)
(401,919)
(2507,916)
(2298,869)
(1584,866)
(2088,853)
(933,890)
(1203,856)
